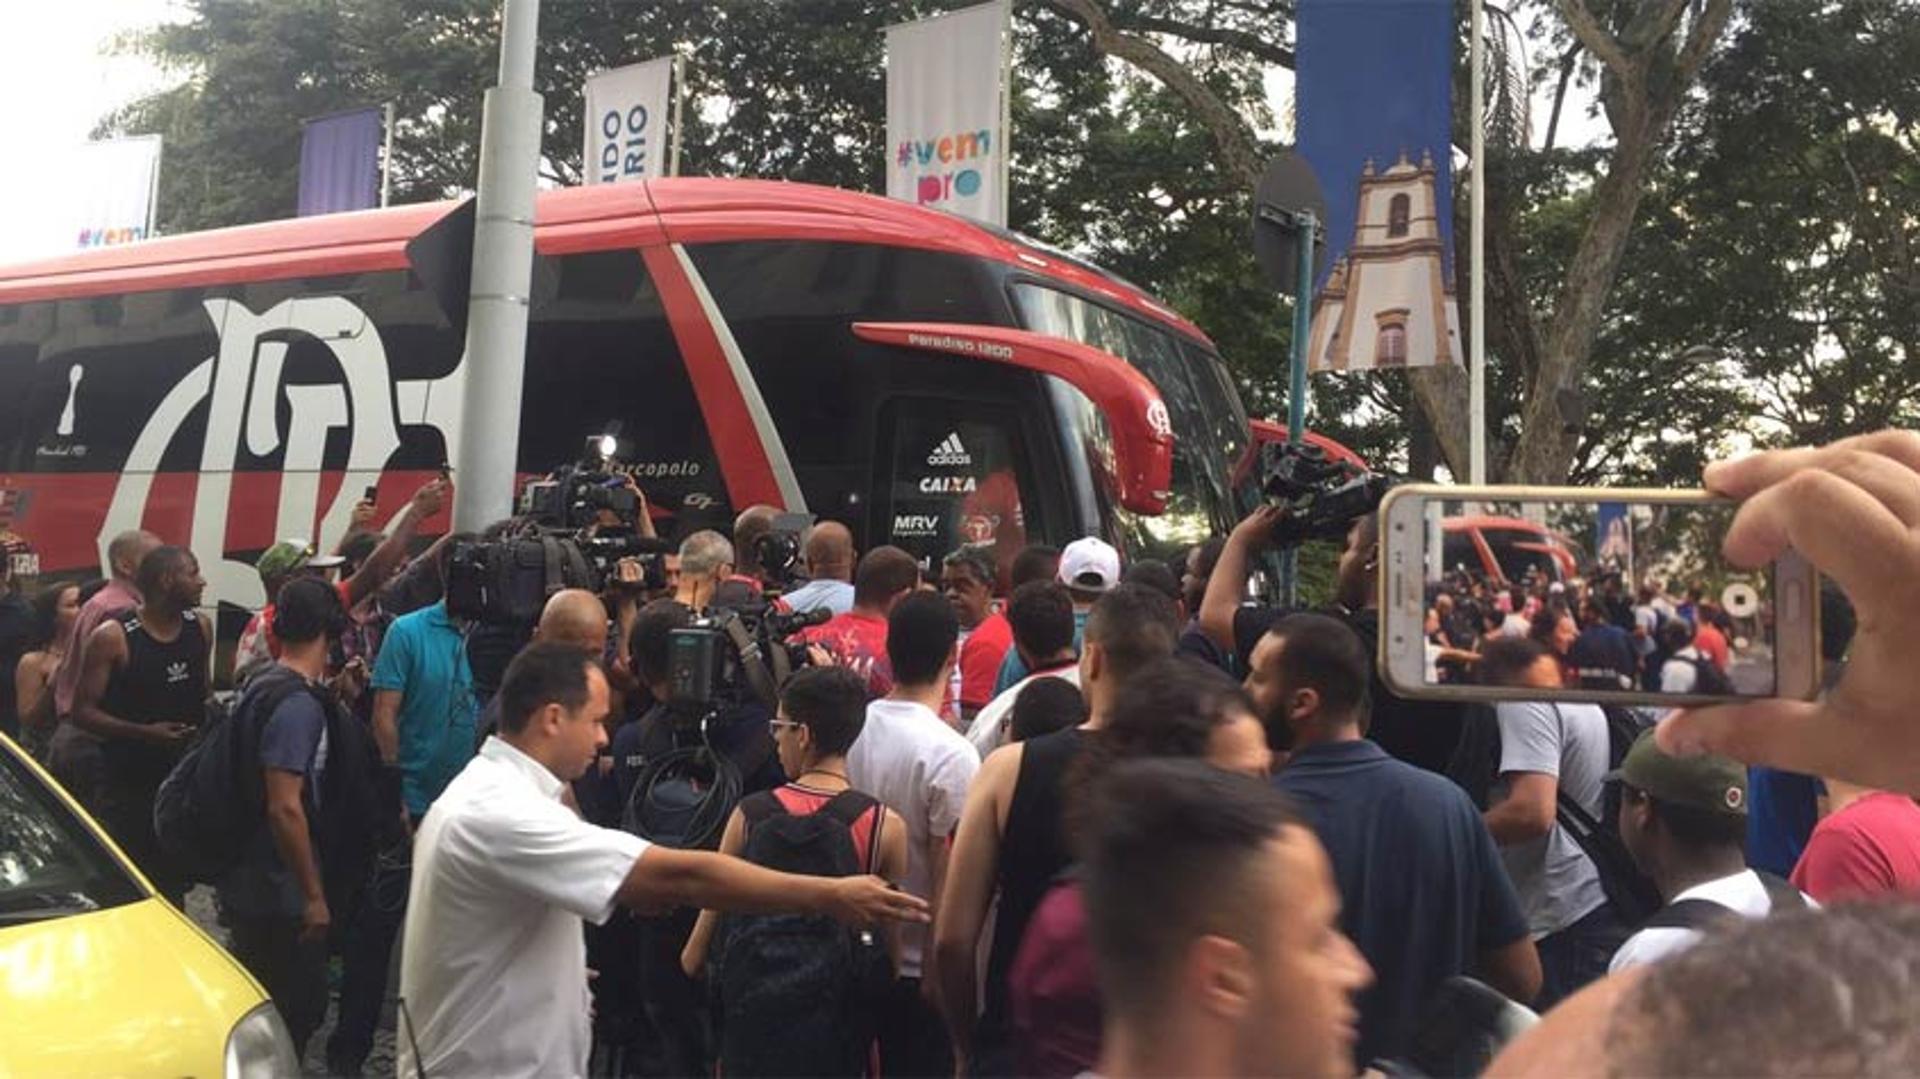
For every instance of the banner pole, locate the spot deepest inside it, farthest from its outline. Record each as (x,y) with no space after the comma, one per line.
(1006,115)
(1306,228)
(153,186)
(386,156)
(1477,245)
(679,101)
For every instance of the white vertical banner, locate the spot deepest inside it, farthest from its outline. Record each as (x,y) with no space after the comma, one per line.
(626,122)
(947,85)
(110,191)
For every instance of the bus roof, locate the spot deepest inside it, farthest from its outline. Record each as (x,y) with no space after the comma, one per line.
(679,210)
(1518,524)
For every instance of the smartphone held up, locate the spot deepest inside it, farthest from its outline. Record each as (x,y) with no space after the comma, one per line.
(1624,591)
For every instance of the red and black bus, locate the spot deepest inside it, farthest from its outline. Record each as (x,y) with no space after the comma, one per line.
(927,380)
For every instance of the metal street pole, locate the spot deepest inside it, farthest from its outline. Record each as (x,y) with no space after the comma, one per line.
(1306,229)
(495,362)
(1477,244)
(386,154)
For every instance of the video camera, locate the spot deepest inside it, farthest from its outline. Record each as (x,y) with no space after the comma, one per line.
(1322,496)
(777,553)
(727,655)
(577,528)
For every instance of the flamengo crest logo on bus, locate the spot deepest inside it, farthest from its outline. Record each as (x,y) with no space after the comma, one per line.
(241,393)
(950,452)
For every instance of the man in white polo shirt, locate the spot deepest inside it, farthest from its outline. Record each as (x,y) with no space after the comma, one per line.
(493,977)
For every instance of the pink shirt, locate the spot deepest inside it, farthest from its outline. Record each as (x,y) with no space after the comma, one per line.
(109,602)
(1870,848)
(1054,990)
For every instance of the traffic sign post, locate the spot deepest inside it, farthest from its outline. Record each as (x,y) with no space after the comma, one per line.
(1288,208)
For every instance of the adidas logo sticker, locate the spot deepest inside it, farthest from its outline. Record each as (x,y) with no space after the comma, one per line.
(950,452)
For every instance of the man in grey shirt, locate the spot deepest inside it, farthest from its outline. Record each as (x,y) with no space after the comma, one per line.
(1546,749)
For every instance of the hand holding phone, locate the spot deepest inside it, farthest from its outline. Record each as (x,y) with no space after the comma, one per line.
(1626,592)
(1853,509)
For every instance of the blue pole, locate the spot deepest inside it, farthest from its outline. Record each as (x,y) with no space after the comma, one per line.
(1305,230)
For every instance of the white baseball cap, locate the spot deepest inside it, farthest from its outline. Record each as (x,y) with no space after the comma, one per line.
(1090,565)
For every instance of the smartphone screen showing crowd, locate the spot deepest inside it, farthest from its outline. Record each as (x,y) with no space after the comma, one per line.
(1626,589)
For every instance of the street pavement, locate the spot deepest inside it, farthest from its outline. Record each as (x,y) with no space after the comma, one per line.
(200,907)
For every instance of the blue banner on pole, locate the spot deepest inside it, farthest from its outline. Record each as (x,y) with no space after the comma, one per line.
(1373,103)
(1613,537)
(340,162)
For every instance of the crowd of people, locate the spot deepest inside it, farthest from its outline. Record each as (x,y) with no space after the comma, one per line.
(1069,815)
(1604,632)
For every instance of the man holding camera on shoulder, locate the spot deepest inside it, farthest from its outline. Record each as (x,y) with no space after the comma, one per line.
(1422,733)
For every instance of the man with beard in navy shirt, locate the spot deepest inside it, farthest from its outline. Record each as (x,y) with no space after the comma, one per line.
(1423,891)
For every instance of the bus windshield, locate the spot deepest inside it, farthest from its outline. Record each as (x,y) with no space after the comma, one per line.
(1209,425)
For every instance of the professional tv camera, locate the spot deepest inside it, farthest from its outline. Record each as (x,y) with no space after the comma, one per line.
(726,655)
(576,528)
(777,552)
(725,670)
(1322,496)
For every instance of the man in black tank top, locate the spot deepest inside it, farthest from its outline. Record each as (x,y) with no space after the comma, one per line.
(142,693)
(1011,834)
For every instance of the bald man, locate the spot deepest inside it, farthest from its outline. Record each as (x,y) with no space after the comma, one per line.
(74,755)
(828,553)
(574,617)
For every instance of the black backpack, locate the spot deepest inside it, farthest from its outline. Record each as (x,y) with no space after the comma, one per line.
(1709,679)
(360,806)
(1632,896)
(1707,916)
(1476,766)
(798,994)
(213,802)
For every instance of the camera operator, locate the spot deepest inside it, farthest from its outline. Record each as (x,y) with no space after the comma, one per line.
(1422,733)
(493,972)
(706,561)
(748,582)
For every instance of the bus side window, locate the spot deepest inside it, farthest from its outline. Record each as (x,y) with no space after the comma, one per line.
(602,359)
(22,329)
(954,479)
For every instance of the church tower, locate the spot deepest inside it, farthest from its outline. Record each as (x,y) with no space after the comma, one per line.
(1389,301)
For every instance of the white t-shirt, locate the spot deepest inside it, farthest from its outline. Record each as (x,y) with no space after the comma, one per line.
(985,733)
(494,964)
(1557,882)
(917,766)
(1743,893)
(1647,620)
(1515,625)
(1678,674)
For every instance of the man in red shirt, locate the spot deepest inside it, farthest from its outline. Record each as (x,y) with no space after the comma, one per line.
(1708,639)
(967,576)
(1867,845)
(857,640)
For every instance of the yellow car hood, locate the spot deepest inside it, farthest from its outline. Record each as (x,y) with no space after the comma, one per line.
(135,990)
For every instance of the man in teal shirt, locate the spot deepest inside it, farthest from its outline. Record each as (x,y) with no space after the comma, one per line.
(424,708)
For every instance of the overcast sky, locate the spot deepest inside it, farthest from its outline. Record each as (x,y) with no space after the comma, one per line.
(58,77)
